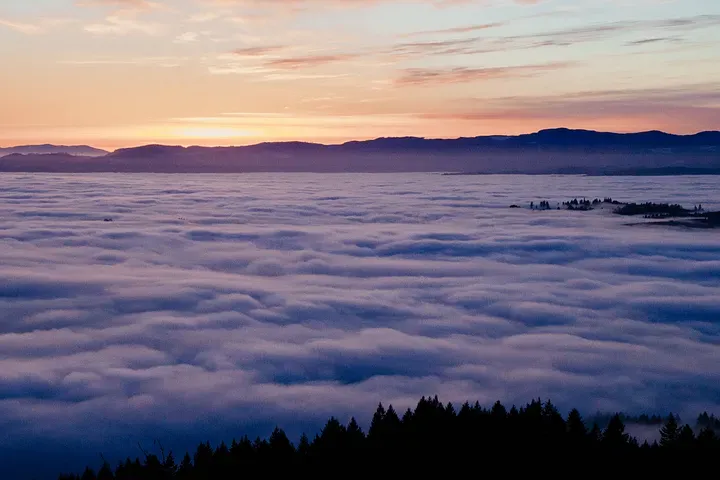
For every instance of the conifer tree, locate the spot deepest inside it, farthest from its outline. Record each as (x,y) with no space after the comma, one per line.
(88,474)
(355,434)
(184,471)
(391,422)
(614,435)
(105,472)
(670,432)
(377,424)
(280,448)
(303,448)
(686,438)
(707,439)
(498,411)
(576,429)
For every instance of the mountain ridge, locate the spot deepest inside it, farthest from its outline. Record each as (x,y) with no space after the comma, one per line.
(41,149)
(47,149)
(552,134)
(545,151)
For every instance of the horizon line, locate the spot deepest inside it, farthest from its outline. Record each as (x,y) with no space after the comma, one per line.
(306,142)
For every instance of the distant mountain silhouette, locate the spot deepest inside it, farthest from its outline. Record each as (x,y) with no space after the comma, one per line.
(79,150)
(589,138)
(558,150)
(558,137)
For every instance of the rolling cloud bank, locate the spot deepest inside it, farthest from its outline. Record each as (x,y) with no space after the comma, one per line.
(217,305)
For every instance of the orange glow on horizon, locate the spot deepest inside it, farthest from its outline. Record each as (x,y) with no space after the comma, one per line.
(207,134)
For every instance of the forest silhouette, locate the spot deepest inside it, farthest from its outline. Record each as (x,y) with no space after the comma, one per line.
(534,438)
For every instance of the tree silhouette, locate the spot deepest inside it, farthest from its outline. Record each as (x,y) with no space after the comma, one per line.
(614,436)
(105,472)
(436,435)
(686,438)
(88,474)
(707,439)
(376,433)
(670,432)
(577,432)
(355,435)
(185,469)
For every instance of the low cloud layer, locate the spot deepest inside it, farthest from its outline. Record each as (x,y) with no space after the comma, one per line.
(216,305)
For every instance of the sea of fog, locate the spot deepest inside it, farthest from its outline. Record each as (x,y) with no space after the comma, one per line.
(216,305)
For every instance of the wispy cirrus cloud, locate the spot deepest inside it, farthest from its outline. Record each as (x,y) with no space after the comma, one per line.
(310,61)
(566,37)
(162,62)
(22,27)
(123,25)
(43,25)
(598,31)
(258,51)
(453,42)
(435,76)
(279,62)
(653,40)
(698,103)
(187,37)
(454,30)
(127,18)
(125,4)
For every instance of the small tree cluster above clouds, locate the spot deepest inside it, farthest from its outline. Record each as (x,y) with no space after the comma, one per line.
(211,302)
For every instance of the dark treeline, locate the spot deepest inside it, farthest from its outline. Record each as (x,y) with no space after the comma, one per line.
(655,209)
(534,438)
(603,419)
(542,205)
(708,421)
(712,218)
(704,420)
(698,215)
(580,204)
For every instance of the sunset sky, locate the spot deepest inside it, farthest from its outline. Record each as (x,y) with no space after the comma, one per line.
(117,73)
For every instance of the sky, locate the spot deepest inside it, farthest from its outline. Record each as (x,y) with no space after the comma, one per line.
(118,73)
